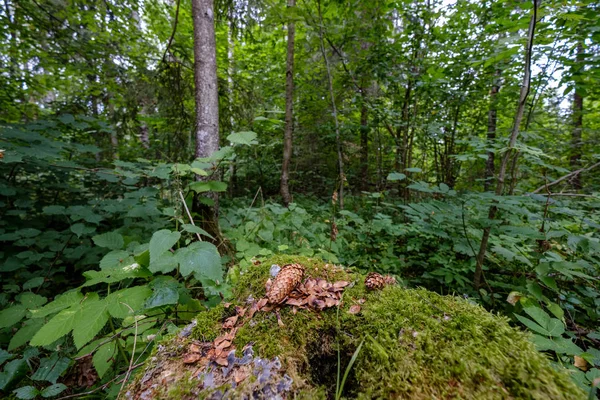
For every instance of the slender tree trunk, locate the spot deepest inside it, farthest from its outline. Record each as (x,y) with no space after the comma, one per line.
(207,106)
(289,111)
(338,140)
(511,144)
(491,132)
(230,72)
(576,143)
(364,143)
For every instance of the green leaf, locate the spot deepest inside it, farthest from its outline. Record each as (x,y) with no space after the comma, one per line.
(396,176)
(165,292)
(81,229)
(164,264)
(5,355)
(66,119)
(202,259)
(116,259)
(26,393)
(57,327)
(33,283)
(51,368)
(133,297)
(161,242)
(12,315)
(413,169)
(13,371)
(532,325)
(246,138)
(54,390)
(110,240)
(25,334)
(196,229)
(104,358)
(90,319)
(61,302)
(32,300)
(210,186)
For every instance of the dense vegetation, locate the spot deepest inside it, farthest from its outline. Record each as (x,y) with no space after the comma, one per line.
(454,145)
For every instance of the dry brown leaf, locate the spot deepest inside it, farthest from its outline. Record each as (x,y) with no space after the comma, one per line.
(222,361)
(329,302)
(261,303)
(224,344)
(295,302)
(581,363)
(230,322)
(190,358)
(226,305)
(240,310)
(194,348)
(240,375)
(341,284)
(354,309)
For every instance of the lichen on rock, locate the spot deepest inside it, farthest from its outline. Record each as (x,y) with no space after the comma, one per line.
(416,345)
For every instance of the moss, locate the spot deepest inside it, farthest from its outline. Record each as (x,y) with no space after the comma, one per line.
(417,344)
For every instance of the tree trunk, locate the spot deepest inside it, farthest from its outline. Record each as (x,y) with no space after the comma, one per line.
(364,143)
(289,111)
(491,132)
(511,145)
(576,144)
(207,107)
(338,140)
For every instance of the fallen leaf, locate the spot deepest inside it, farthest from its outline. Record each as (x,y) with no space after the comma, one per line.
(279,321)
(194,348)
(514,297)
(240,375)
(222,361)
(354,309)
(341,284)
(230,322)
(295,302)
(581,363)
(261,303)
(190,358)
(226,305)
(240,310)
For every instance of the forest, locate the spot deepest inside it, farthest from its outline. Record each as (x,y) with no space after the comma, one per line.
(156,154)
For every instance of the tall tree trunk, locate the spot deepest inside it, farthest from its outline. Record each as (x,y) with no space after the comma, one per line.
(207,106)
(576,143)
(338,140)
(364,142)
(511,145)
(491,132)
(289,111)
(230,71)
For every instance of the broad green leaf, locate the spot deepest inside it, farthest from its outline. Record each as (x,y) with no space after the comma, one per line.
(115,275)
(57,327)
(246,138)
(413,169)
(51,368)
(196,229)
(89,320)
(13,371)
(104,358)
(26,393)
(133,297)
(210,186)
(161,242)
(61,302)
(32,300)
(540,316)
(396,176)
(116,259)
(165,263)
(201,259)
(110,240)
(24,335)
(33,283)
(81,229)
(5,355)
(532,325)
(165,292)
(53,390)
(12,315)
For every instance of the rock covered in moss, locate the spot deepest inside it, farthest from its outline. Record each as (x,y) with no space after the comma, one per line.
(415,344)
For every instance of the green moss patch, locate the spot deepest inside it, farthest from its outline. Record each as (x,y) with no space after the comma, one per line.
(416,344)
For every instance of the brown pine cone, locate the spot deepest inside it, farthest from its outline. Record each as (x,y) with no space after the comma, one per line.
(286,280)
(374,281)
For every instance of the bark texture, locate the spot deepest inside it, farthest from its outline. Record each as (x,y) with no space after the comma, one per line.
(289,111)
(207,107)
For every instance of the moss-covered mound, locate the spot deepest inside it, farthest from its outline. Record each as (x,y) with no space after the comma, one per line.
(415,344)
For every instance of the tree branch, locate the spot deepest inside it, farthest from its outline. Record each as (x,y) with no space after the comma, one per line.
(569,175)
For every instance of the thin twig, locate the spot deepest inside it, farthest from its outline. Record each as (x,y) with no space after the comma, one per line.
(187,210)
(132,351)
(567,176)
(164,57)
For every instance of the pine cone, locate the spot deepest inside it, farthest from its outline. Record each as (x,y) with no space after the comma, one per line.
(375,281)
(286,280)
